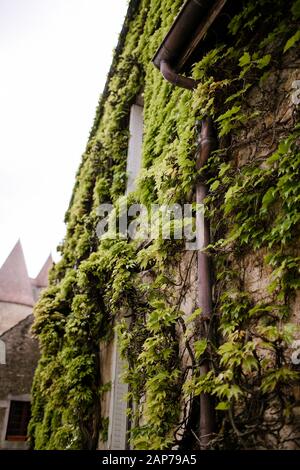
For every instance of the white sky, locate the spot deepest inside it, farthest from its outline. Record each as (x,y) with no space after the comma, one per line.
(54,58)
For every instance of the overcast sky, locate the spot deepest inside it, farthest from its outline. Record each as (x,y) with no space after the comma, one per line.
(54,58)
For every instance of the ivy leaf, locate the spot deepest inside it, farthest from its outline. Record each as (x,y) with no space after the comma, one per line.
(231,112)
(274,377)
(200,347)
(249,363)
(268,198)
(228,120)
(264,61)
(289,332)
(194,315)
(245,59)
(238,93)
(222,390)
(296,9)
(223,406)
(235,392)
(224,167)
(292,41)
(264,77)
(215,185)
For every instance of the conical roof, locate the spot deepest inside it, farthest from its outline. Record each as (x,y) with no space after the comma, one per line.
(15,284)
(42,278)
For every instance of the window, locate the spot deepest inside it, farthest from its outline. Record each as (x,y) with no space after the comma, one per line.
(134,155)
(18,419)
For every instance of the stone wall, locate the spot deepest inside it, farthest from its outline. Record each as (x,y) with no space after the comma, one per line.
(11,314)
(16,375)
(278,115)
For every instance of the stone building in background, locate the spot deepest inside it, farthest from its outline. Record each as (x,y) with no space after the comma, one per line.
(19,351)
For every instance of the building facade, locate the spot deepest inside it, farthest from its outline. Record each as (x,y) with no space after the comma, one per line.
(19,350)
(172,319)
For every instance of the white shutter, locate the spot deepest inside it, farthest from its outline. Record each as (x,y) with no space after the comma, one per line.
(118,407)
(134,155)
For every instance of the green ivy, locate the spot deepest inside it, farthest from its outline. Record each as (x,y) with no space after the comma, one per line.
(253,206)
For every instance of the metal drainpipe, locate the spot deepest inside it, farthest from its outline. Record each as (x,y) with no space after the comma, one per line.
(207,143)
(173,77)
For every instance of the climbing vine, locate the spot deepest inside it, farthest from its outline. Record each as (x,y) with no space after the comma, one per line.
(253,206)
(252,377)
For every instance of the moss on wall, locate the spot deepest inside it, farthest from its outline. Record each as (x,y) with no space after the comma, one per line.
(252,205)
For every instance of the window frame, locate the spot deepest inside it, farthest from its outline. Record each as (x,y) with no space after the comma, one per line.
(24,413)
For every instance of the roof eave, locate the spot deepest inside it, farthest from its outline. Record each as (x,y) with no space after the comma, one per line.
(187,31)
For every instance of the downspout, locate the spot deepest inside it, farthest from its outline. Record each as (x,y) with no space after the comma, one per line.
(178,80)
(206,144)
(188,30)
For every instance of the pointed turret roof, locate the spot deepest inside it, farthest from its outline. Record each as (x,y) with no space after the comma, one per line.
(15,284)
(41,279)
